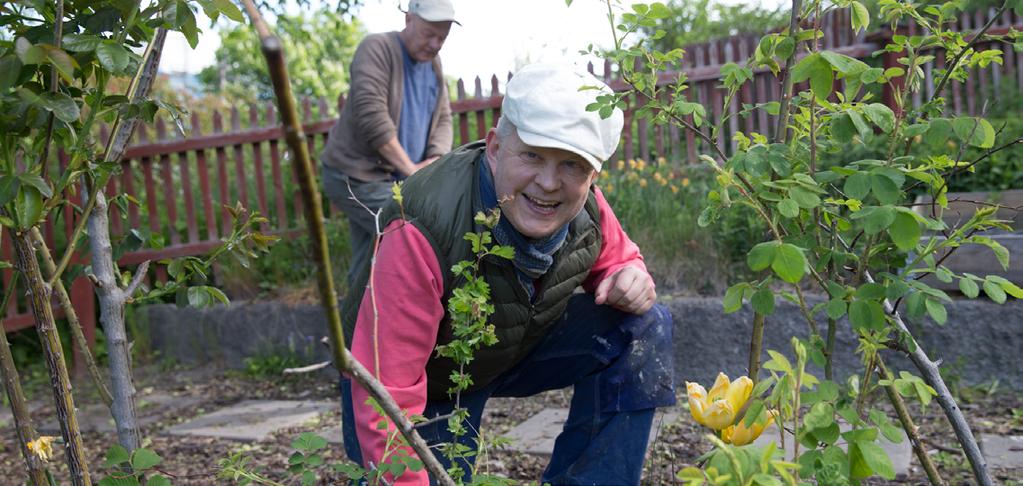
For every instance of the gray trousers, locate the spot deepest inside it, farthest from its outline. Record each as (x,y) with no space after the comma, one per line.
(361,222)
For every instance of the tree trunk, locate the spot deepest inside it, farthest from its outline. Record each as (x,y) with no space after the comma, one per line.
(50,341)
(19,406)
(112,297)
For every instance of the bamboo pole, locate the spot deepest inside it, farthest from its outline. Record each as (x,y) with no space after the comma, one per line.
(50,341)
(19,405)
(313,208)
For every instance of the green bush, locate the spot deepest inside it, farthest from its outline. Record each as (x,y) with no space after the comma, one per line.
(659,205)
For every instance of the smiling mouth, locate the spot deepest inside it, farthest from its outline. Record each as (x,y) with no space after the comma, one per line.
(541,205)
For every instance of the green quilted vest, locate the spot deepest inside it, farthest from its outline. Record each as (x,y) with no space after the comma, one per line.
(440,201)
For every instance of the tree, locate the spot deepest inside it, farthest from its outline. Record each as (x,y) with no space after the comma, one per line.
(319,45)
(693,21)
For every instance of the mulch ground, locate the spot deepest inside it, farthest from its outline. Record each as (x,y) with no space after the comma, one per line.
(191,460)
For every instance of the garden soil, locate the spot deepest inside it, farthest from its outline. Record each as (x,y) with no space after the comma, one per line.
(194,460)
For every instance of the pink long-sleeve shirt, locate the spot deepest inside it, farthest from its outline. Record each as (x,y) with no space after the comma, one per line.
(409,288)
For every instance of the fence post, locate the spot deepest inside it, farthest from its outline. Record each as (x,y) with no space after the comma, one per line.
(84,303)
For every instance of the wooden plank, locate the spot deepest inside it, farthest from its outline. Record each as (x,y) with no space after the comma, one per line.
(223,185)
(149,185)
(481,123)
(281,212)
(241,182)
(205,194)
(463,117)
(191,223)
(495,92)
(169,192)
(257,161)
(220,140)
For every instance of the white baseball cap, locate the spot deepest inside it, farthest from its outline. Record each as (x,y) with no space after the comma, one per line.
(547,107)
(433,10)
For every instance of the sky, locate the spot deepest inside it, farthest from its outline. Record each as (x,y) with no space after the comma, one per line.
(495,37)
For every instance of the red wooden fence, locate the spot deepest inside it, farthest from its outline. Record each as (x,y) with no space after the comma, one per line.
(183,182)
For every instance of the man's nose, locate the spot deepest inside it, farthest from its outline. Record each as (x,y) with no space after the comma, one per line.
(547,178)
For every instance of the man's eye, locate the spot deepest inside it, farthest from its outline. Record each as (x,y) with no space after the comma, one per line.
(530,155)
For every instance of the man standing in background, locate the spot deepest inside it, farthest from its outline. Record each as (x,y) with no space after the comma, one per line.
(395,121)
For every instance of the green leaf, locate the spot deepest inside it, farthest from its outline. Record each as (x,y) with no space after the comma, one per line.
(842,128)
(905,231)
(859,123)
(866,314)
(938,132)
(881,115)
(788,208)
(876,219)
(821,415)
(836,308)
(857,186)
(36,182)
(969,288)
(977,132)
(62,106)
(143,459)
(112,56)
(994,291)
(762,255)
(28,207)
(763,302)
(804,198)
(228,8)
(733,297)
(860,16)
(936,310)
(870,291)
(81,42)
(789,263)
(198,297)
(309,442)
(158,480)
(818,71)
(8,188)
(116,455)
(876,459)
(64,63)
(843,63)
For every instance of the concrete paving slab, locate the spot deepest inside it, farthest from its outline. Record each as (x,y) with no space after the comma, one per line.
(253,420)
(901,454)
(150,408)
(537,434)
(1002,451)
(332,433)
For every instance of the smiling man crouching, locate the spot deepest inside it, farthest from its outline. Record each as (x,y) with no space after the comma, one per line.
(611,342)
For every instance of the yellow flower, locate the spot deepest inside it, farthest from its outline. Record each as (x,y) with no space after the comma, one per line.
(717,409)
(609,188)
(674,189)
(641,164)
(642,183)
(741,435)
(661,160)
(685,182)
(621,164)
(42,447)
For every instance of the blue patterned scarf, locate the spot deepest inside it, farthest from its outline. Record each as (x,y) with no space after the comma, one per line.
(532,257)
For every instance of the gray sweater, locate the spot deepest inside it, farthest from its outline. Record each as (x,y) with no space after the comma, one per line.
(372,109)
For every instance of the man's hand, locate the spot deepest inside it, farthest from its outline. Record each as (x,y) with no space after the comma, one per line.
(629,289)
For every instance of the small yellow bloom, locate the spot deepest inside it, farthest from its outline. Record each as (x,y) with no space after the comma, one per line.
(632,163)
(685,182)
(661,161)
(641,164)
(674,189)
(42,447)
(740,435)
(609,188)
(642,183)
(717,409)
(621,164)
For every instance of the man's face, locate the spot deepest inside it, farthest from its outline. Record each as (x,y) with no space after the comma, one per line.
(542,189)
(423,39)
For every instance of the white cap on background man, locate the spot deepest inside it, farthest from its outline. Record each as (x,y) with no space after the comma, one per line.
(433,10)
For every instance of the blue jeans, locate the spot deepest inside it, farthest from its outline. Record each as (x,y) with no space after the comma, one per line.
(620,366)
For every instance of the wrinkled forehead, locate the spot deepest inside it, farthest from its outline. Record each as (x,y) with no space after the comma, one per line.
(517,146)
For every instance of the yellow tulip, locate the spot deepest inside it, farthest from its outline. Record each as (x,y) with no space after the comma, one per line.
(717,409)
(642,183)
(621,164)
(741,435)
(42,447)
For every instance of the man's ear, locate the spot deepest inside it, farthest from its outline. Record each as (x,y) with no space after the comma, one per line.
(493,144)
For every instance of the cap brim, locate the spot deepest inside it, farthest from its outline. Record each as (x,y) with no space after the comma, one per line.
(537,140)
